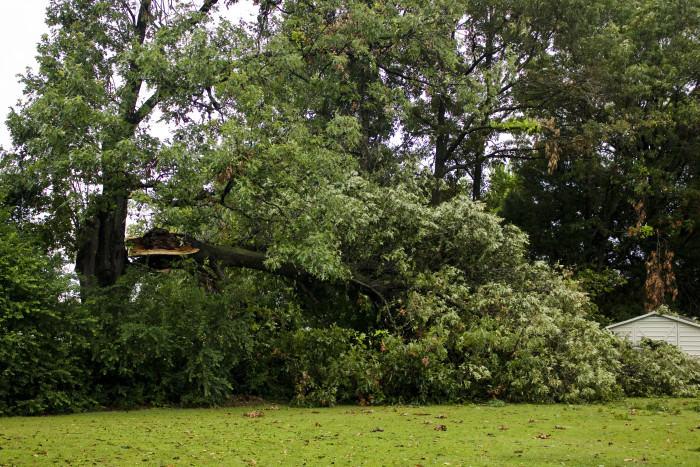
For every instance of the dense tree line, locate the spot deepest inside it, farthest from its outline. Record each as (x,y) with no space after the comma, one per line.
(323,222)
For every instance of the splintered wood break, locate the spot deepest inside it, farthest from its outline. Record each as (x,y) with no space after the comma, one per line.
(160,242)
(183,250)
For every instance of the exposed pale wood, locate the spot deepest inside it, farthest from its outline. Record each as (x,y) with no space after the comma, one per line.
(160,242)
(175,252)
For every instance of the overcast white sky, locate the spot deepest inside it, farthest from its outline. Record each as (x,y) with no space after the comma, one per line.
(21,27)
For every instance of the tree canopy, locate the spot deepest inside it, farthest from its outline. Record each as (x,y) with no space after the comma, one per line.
(331,186)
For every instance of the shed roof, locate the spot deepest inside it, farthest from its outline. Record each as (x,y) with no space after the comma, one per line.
(653,313)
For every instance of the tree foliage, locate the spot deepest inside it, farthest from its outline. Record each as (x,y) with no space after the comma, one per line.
(625,189)
(313,228)
(82,144)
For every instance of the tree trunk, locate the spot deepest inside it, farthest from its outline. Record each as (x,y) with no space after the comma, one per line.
(441,152)
(102,256)
(477,179)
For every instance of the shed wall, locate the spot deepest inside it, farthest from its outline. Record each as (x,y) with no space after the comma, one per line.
(685,336)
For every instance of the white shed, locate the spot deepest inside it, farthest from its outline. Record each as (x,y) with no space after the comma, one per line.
(681,332)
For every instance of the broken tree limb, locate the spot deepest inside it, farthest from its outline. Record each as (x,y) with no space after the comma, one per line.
(158,246)
(160,249)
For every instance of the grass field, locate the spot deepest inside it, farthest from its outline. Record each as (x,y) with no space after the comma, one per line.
(651,431)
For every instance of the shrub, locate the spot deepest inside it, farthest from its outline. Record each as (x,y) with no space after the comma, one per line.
(419,371)
(44,333)
(170,341)
(329,366)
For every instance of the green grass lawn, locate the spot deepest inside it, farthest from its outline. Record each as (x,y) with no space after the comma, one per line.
(653,431)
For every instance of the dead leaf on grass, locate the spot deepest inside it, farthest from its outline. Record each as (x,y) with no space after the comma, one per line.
(441,416)
(559,427)
(351,412)
(542,436)
(377,429)
(254,414)
(502,427)
(530,420)
(440,428)
(368,411)
(427,422)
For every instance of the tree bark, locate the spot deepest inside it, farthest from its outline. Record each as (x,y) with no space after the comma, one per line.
(441,152)
(102,256)
(477,178)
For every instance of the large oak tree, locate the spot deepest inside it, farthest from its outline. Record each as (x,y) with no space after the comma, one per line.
(82,138)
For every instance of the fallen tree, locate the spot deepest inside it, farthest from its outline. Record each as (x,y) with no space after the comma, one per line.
(162,250)
(159,248)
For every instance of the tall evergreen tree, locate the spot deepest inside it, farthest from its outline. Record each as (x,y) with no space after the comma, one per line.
(617,185)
